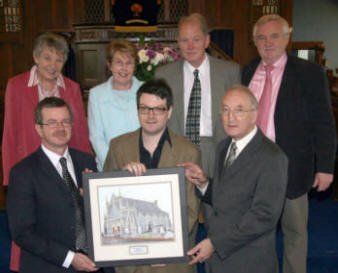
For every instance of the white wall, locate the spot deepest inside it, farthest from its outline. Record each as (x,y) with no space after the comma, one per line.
(317,20)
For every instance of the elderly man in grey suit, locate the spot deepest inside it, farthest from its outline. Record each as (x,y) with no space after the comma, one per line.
(247,192)
(198,82)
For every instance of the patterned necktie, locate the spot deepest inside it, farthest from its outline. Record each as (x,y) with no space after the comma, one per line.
(231,156)
(81,241)
(264,105)
(192,125)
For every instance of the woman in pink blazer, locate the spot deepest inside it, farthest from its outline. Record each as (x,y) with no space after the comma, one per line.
(23,92)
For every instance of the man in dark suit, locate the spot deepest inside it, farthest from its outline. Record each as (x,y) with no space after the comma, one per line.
(295,111)
(44,205)
(247,192)
(215,76)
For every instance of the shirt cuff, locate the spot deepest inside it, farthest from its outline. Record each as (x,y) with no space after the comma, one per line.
(69,258)
(203,189)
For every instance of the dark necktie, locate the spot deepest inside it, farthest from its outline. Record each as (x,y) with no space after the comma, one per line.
(192,125)
(80,242)
(264,105)
(231,156)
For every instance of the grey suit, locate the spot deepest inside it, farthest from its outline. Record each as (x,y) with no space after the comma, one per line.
(247,200)
(223,75)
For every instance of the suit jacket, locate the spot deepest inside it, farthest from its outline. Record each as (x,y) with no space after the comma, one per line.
(223,75)
(41,211)
(304,122)
(125,149)
(247,201)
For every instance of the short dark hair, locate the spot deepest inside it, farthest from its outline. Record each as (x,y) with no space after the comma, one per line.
(50,102)
(157,87)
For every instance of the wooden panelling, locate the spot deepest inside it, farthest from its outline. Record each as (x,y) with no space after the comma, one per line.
(60,15)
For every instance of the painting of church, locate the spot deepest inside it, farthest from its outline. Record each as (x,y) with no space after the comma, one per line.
(135,220)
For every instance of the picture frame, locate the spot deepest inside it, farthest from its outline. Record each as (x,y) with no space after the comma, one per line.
(136,220)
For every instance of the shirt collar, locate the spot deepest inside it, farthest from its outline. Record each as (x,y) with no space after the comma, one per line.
(165,137)
(202,69)
(54,157)
(279,63)
(34,80)
(241,143)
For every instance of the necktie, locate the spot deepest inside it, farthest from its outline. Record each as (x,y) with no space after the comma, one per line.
(192,125)
(231,156)
(265,101)
(80,242)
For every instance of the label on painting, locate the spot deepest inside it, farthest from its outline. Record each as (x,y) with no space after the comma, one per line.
(138,250)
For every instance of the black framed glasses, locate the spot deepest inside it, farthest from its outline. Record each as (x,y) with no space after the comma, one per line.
(145,110)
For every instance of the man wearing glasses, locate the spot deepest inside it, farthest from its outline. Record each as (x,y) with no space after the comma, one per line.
(247,192)
(44,204)
(154,146)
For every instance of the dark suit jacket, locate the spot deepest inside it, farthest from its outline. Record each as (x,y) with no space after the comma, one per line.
(247,201)
(223,75)
(41,211)
(304,122)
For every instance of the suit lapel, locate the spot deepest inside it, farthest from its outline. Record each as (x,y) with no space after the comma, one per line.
(77,168)
(179,86)
(249,71)
(167,155)
(215,86)
(246,156)
(132,152)
(287,91)
(48,170)
(221,157)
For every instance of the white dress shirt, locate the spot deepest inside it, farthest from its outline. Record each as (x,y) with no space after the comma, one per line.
(55,159)
(204,76)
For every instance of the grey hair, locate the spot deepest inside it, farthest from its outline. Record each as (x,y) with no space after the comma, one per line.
(269,18)
(53,41)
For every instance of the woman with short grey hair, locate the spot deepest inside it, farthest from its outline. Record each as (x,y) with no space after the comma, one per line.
(23,92)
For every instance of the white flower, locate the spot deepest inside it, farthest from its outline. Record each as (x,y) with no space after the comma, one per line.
(165,49)
(142,54)
(149,67)
(158,58)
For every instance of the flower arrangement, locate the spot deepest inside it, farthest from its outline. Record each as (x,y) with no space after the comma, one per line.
(151,55)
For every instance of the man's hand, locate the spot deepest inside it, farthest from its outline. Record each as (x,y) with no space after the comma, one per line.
(322,181)
(135,168)
(82,263)
(194,174)
(201,252)
(86,170)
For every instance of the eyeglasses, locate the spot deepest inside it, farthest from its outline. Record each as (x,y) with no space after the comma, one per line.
(56,124)
(237,112)
(145,110)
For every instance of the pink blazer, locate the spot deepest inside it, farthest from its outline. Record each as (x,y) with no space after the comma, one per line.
(19,136)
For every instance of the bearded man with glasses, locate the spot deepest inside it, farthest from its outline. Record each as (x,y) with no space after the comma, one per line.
(154,146)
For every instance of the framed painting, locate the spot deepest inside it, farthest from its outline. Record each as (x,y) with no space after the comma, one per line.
(136,220)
